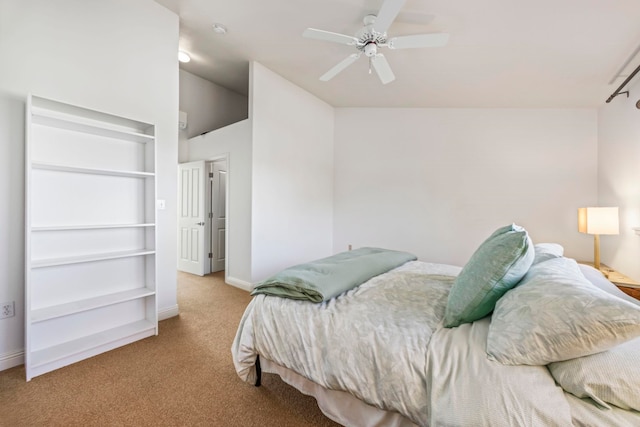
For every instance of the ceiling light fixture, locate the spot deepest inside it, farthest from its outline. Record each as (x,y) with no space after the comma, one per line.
(183,56)
(219,29)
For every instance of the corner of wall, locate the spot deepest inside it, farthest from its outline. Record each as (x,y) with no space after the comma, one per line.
(618,151)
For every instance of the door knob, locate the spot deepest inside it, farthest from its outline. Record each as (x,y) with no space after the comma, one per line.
(200,223)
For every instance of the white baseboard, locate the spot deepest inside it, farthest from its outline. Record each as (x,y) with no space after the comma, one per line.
(245,286)
(166,313)
(10,360)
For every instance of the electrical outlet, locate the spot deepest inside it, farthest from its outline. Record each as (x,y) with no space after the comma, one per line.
(7,309)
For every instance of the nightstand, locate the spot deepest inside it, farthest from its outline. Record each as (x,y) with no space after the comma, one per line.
(624,283)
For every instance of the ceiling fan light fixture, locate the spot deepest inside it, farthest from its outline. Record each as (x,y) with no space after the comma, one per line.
(371,49)
(219,29)
(183,56)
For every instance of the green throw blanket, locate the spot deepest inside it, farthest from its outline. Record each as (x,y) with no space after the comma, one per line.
(323,279)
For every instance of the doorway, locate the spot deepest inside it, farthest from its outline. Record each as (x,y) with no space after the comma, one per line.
(202,216)
(217,214)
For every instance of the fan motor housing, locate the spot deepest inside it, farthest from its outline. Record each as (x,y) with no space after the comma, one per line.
(370,40)
(368,35)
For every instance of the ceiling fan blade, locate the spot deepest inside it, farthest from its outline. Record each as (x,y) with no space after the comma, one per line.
(382,68)
(328,36)
(418,40)
(386,15)
(339,67)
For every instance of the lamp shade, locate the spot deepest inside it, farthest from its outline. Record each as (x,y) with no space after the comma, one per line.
(598,220)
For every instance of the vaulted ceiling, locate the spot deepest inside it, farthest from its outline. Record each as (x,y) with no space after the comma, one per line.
(500,53)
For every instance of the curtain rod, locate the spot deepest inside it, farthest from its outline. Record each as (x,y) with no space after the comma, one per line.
(624,83)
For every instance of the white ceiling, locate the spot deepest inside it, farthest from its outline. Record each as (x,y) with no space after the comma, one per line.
(501,53)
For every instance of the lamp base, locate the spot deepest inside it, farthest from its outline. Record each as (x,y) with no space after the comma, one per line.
(596,252)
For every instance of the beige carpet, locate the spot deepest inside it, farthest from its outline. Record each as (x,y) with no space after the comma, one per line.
(182,377)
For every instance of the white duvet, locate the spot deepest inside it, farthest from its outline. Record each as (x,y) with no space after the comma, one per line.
(384,343)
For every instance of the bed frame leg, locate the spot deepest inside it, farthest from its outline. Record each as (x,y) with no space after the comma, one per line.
(258,372)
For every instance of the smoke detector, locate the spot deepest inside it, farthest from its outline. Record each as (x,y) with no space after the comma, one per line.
(219,29)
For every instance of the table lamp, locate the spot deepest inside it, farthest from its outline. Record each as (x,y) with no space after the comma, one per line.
(598,221)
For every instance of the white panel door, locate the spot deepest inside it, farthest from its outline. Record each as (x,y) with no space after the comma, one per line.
(218,214)
(193,240)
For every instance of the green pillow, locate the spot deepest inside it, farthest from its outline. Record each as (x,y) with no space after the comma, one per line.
(496,266)
(502,230)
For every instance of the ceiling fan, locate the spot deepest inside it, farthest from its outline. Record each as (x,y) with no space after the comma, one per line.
(372,37)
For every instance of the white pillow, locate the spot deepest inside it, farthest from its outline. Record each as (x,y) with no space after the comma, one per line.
(611,376)
(556,314)
(546,251)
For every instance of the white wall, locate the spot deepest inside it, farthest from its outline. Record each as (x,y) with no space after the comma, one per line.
(115,56)
(235,141)
(619,178)
(437,182)
(208,107)
(292,182)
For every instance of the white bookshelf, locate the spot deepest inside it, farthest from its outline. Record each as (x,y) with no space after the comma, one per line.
(90,234)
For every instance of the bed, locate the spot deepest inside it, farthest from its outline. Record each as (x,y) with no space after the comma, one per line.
(399,348)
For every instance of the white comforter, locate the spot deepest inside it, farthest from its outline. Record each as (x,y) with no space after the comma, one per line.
(384,343)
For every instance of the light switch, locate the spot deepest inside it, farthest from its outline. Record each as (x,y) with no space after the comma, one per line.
(160,205)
